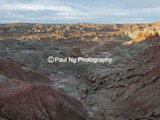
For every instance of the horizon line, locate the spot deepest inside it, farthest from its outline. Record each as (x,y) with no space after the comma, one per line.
(77,23)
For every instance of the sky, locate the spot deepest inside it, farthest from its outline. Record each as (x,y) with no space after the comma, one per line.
(75,11)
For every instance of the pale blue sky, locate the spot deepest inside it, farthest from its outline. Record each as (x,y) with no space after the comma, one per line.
(73,11)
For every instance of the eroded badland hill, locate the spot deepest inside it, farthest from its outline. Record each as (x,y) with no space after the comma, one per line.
(126,89)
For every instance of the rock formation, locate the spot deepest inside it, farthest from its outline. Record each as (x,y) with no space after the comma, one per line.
(130,87)
(11,70)
(24,97)
(35,101)
(126,89)
(79,31)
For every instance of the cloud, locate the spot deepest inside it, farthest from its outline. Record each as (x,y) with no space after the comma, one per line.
(130,20)
(16,1)
(70,11)
(33,7)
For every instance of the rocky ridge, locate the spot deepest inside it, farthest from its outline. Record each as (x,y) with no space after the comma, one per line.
(24,96)
(126,89)
(79,31)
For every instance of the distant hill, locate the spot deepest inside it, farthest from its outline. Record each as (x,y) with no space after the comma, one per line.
(78,31)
